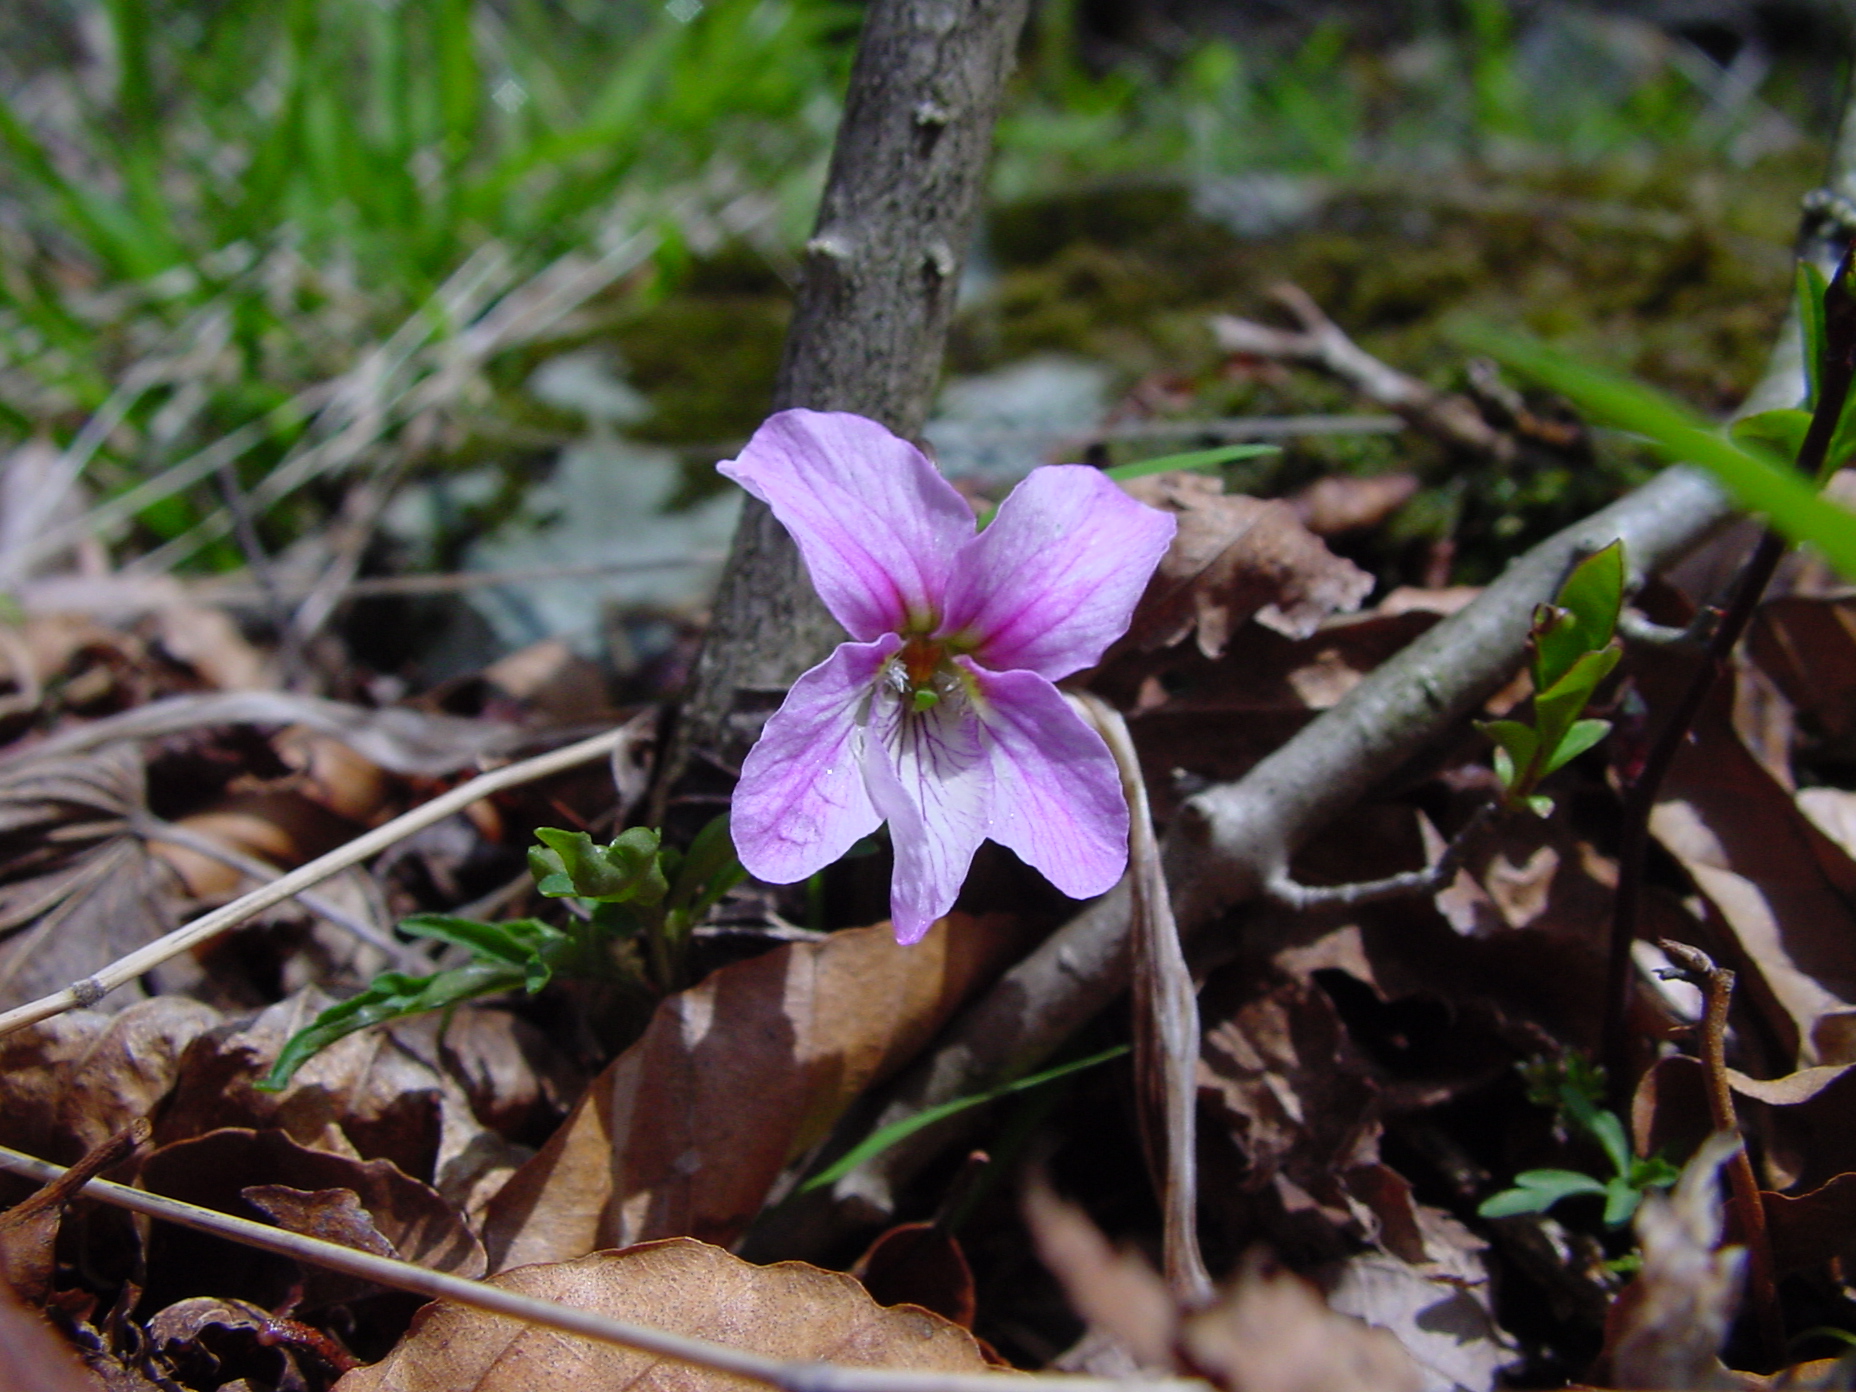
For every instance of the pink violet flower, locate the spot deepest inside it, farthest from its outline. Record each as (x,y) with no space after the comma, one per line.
(939,716)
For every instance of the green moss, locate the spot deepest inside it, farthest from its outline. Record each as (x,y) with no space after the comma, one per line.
(1675,269)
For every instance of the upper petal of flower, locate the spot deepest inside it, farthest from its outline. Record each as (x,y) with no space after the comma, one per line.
(801,802)
(1057,799)
(878,526)
(1054,578)
(929,775)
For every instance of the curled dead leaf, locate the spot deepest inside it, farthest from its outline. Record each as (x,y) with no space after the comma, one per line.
(1237,558)
(790,1311)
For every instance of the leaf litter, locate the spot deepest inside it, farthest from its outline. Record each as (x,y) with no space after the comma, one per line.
(1357,1084)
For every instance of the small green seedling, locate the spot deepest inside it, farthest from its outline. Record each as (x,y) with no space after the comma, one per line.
(1574,642)
(633,887)
(1575,1088)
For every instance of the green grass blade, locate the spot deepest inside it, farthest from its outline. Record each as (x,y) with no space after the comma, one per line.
(879,1141)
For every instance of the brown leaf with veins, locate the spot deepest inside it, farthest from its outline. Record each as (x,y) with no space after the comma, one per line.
(1346,503)
(266,1173)
(1236,558)
(687,1130)
(1784,892)
(380,1093)
(790,1311)
(69,1082)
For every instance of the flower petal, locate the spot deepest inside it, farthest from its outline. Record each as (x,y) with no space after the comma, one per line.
(1057,799)
(801,802)
(879,528)
(929,775)
(1054,578)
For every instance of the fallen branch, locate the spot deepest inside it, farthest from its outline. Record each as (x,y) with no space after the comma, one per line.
(483,1295)
(126,969)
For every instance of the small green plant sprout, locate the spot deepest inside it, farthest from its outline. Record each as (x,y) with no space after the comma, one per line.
(1575,647)
(1575,1089)
(631,888)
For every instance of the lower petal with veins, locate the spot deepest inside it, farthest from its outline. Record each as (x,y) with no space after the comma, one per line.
(928,774)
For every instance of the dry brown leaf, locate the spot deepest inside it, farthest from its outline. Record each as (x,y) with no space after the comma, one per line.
(69,1082)
(1271,1331)
(789,1311)
(222,1169)
(1441,1312)
(1784,891)
(686,1131)
(379,1094)
(1808,646)
(70,863)
(1237,558)
(1344,503)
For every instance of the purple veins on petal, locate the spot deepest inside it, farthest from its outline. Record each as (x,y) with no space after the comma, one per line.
(878,527)
(929,776)
(1053,580)
(801,802)
(1057,797)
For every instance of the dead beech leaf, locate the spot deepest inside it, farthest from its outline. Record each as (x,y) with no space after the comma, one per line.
(381,1093)
(1785,892)
(1344,503)
(685,1132)
(1442,1313)
(790,1311)
(71,864)
(1270,1331)
(68,1083)
(1808,647)
(1807,1229)
(222,1169)
(1237,558)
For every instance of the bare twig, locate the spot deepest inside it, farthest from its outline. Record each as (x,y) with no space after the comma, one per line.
(1166,1024)
(1282,889)
(126,969)
(496,1300)
(1717,984)
(1320,343)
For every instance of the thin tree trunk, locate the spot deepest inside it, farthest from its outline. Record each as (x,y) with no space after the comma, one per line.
(881,274)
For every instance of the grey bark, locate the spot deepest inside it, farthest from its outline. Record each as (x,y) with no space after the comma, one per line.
(869,325)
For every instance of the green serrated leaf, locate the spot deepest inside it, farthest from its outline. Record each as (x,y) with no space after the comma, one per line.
(1581,737)
(390,996)
(571,863)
